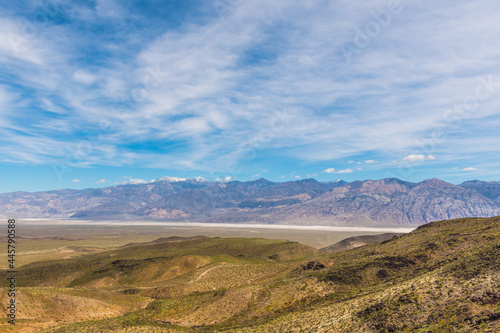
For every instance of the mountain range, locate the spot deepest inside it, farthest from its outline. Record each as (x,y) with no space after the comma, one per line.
(385,202)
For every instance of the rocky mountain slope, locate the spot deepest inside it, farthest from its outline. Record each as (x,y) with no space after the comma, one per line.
(370,202)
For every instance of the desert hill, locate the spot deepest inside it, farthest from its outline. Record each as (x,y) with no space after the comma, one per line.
(358,241)
(442,277)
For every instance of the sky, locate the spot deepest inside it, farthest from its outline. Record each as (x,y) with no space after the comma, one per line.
(106,92)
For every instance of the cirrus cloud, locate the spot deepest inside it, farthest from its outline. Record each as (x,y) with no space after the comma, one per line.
(187,95)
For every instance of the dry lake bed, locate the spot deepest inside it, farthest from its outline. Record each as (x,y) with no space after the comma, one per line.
(46,239)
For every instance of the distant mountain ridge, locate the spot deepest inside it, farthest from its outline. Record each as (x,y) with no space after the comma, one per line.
(389,201)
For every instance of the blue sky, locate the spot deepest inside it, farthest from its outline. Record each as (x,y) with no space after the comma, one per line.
(98,93)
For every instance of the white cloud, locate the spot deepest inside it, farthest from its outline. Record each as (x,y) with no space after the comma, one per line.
(207,91)
(84,77)
(76,181)
(371,162)
(470,169)
(17,42)
(108,8)
(6,96)
(414,158)
(360,169)
(350,162)
(135,181)
(102,181)
(418,157)
(329,170)
(345,171)
(228,178)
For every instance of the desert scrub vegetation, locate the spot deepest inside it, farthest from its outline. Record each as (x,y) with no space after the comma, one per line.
(442,277)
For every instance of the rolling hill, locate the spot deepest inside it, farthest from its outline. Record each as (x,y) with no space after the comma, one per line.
(358,241)
(442,277)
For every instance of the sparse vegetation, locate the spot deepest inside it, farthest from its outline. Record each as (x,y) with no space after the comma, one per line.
(443,277)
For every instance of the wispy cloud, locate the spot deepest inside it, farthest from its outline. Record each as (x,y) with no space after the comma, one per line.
(84,77)
(76,180)
(109,8)
(329,170)
(186,95)
(470,169)
(102,181)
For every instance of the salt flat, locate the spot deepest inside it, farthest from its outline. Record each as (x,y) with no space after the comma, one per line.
(117,233)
